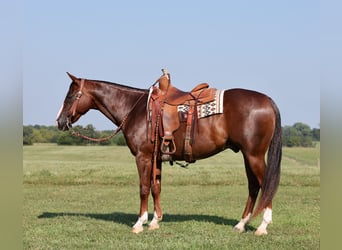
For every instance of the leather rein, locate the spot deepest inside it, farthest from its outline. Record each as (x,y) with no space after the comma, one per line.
(115,132)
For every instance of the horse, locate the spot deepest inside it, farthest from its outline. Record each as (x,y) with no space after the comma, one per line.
(250,123)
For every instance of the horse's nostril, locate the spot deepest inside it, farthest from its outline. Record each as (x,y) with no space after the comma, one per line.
(61,125)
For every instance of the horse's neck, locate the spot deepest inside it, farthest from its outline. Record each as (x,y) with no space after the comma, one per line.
(117,101)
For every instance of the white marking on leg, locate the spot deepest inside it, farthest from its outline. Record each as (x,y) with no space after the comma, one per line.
(241,225)
(138,226)
(154,223)
(267,219)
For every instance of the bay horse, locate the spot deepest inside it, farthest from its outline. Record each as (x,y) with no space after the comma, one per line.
(250,123)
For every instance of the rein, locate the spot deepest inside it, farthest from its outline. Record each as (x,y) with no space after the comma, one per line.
(115,132)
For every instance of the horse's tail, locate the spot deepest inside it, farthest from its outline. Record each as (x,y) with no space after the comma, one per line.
(271,177)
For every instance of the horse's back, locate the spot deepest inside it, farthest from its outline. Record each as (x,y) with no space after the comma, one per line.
(238,96)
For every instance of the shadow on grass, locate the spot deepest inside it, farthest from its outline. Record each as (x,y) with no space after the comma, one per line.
(129,219)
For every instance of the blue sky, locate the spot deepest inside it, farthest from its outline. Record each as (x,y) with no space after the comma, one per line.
(268,46)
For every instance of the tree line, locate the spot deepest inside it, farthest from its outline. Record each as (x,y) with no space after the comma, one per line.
(298,135)
(50,134)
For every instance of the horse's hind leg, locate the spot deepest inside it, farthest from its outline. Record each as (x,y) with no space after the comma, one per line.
(156,189)
(257,170)
(266,219)
(254,170)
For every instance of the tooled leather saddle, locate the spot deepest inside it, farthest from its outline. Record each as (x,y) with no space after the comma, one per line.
(164,117)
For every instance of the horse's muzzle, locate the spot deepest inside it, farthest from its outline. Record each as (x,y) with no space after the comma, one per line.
(63,124)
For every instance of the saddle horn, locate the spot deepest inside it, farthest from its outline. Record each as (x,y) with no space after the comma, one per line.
(166,73)
(164,81)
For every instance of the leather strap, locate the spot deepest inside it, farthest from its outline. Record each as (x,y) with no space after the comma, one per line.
(77,96)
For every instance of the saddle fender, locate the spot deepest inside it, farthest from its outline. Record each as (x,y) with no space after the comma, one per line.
(170,121)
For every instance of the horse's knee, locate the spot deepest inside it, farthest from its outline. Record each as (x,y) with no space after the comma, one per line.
(144,190)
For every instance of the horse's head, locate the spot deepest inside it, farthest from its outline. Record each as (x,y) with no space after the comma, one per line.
(76,103)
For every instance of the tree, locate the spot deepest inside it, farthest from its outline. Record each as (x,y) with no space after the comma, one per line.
(316,134)
(291,137)
(65,139)
(27,135)
(120,140)
(298,135)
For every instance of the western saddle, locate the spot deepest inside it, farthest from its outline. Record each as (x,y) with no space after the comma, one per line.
(164,118)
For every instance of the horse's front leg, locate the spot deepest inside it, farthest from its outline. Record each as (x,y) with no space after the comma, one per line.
(156,189)
(145,170)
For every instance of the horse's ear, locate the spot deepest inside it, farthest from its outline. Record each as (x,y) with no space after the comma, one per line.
(72,77)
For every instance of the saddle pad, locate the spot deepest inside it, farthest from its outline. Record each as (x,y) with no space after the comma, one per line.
(207,109)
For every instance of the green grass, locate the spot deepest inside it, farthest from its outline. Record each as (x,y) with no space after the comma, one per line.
(88,198)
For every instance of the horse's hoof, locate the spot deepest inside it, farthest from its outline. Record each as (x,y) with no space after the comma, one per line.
(166,157)
(239,229)
(137,230)
(260,232)
(153,226)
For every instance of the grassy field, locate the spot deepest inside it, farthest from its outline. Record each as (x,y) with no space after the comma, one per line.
(88,198)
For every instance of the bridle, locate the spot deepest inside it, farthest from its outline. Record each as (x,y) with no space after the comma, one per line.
(77,96)
(115,132)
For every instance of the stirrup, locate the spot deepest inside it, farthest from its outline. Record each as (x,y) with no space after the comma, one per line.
(166,146)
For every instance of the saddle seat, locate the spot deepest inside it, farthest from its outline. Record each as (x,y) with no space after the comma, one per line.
(175,96)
